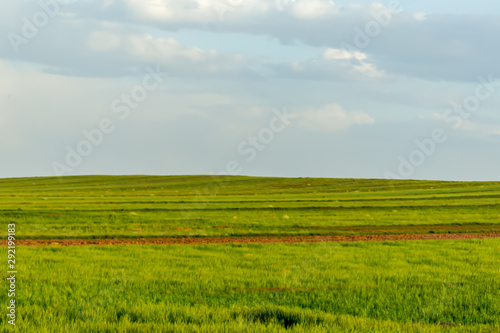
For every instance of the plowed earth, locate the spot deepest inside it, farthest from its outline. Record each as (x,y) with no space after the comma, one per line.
(249,239)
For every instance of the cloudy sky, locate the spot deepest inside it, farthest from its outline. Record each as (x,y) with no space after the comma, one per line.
(309,88)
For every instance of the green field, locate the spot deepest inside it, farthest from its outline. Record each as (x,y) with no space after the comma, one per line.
(146,206)
(412,286)
(327,287)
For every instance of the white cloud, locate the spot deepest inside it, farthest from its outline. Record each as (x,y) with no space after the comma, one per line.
(369,70)
(334,64)
(363,67)
(143,48)
(103,41)
(282,4)
(410,44)
(480,130)
(196,12)
(313,9)
(337,54)
(332,118)
(420,16)
(104,49)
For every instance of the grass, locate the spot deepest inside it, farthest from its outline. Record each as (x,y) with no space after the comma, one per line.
(160,206)
(418,286)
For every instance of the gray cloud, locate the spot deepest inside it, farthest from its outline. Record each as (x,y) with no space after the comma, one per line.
(439,47)
(357,111)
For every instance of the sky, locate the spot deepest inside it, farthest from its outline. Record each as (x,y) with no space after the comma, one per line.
(394,89)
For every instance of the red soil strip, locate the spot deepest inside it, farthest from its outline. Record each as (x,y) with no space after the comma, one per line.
(256,239)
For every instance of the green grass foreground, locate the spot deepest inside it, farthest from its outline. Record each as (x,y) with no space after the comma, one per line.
(161,206)
(417,286)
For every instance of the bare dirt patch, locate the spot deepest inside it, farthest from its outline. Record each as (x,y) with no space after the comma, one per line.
(247,239)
